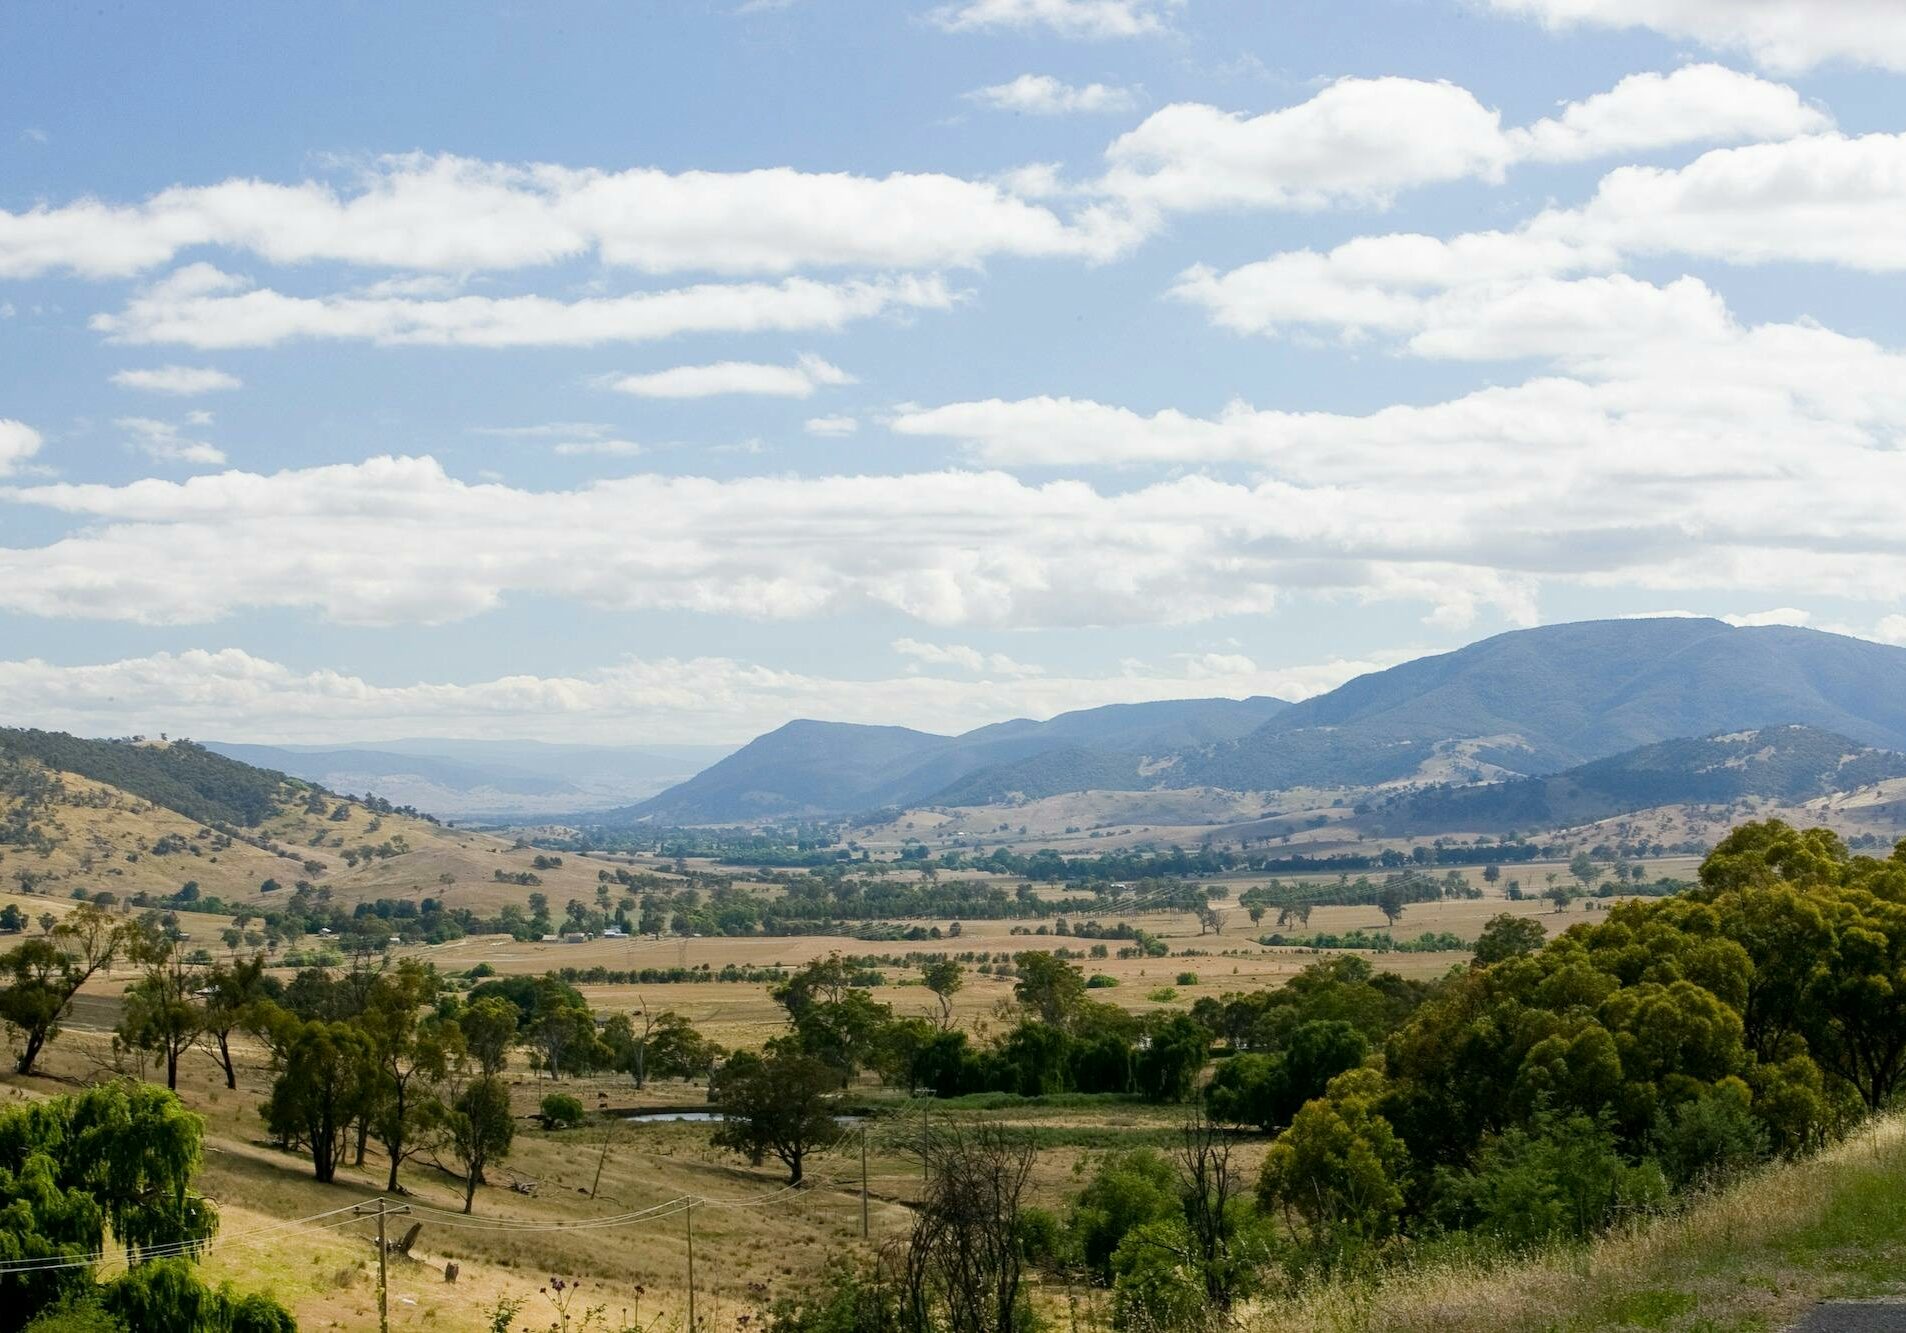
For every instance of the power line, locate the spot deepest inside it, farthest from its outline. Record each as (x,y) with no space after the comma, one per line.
(172,1249)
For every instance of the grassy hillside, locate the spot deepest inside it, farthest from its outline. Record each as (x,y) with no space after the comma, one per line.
(1148,728)
(1756,1256)
(62,831)
(179,775)
(1070,769)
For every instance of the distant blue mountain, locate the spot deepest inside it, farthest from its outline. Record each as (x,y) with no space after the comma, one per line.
(1540,700)
(501,779)
(1530,702)
(815,768)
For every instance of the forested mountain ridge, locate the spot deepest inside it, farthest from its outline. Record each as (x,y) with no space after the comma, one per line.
(1526,703)
(1541,700)
(810,767)
(1791,764)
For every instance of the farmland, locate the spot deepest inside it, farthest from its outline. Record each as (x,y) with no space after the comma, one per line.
(345,900)
(325,1275)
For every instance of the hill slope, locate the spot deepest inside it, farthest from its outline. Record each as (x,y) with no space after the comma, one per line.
(1791,764)
(1541,700)
(1755,1254)
(810,768)
(126,818)
(182,776)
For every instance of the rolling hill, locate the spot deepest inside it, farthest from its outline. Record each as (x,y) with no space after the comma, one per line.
(130,818)
(810,768)
(1526,703)
(182,776)
(1792,764)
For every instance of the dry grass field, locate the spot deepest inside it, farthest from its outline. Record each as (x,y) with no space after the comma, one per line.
(752,1234)
(742,1014)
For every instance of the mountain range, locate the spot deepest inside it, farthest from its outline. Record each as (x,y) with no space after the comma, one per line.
(816,768)
(1529,703)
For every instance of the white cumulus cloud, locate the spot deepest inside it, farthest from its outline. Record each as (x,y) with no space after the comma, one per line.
(397,540)
(799,380)
(1822,198)
(964,658)
(1784,35)
(231,694)
(1673,444)
(1362,141)
(18,442)
(166,442)
(1043,95)
(1067,18)
(461,215)
(1780,615)
(199,306)
(179,381)
(1644,112)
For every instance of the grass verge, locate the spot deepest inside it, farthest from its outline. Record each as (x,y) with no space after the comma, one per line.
(1753,1256)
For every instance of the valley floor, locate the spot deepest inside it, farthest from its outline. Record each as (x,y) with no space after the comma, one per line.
(1757,1256)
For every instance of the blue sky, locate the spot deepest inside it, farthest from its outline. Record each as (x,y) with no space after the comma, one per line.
(662,372)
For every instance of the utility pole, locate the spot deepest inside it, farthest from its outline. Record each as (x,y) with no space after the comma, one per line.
(384,1210)
(690,1215)
(863,1182)
(596,1184)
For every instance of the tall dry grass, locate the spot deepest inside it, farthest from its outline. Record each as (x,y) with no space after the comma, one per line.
(1753,1254)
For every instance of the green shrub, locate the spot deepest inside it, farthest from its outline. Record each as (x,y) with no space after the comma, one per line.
(1561,1179)
(1128,1190)
(168,1294)
(1041,1238)
(561,1111)
(1187,978)
(843,1300)
(1709,1137)
(82,1313)
(1154,1289)
(1100,981)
